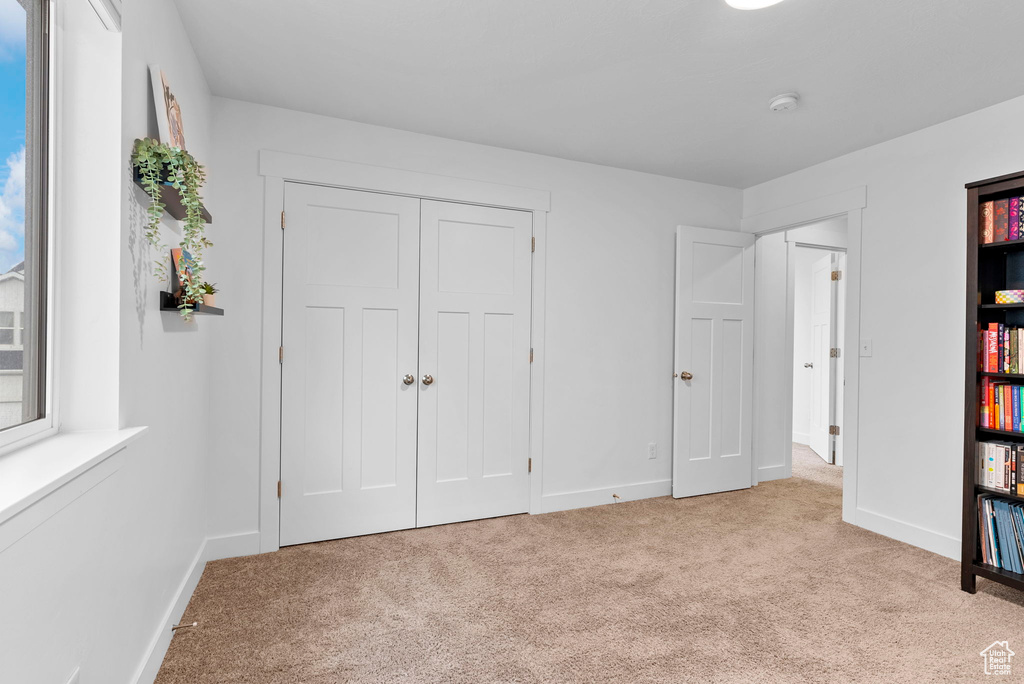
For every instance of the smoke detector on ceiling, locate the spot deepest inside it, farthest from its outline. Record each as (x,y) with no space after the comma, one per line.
(784,102)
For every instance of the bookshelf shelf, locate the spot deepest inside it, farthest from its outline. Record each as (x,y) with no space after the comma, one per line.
(1007,246)
(990,267)
(1005,376)
(1001,433)
(1007,577)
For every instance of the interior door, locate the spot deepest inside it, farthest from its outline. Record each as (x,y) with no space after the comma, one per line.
(474,388)
(714,360)
(823,340)
(348,420)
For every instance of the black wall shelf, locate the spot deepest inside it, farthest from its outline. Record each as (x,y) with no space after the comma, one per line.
(172,202)
(169,303)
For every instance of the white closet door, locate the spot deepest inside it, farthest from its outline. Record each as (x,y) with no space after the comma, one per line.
(348,423)
(714,360)
(474,362)
(823,340)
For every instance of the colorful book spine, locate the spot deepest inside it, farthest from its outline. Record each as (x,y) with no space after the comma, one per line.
(997,425)
(993,346)
(1015,404)
(986,223)
(1020,218)
(1013,350)
(1013,218)
(983,418)
(1001,210)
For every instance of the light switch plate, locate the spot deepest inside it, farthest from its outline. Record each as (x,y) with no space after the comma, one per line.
(865,347)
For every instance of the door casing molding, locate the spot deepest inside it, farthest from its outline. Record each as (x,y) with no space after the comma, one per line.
(277,168)
(850,203)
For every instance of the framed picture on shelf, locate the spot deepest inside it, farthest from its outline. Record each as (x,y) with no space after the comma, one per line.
(168,111)
(182,270)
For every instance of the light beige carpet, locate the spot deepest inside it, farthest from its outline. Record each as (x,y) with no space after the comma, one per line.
(762,585)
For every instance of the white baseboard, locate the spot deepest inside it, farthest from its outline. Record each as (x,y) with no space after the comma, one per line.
(597,497)
(232,546)
(929,540)
(154,656)
(801,438)
(776,472)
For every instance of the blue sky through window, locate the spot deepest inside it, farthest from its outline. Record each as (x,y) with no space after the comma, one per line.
(12,134)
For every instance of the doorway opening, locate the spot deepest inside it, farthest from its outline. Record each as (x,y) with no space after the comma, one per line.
(818,362)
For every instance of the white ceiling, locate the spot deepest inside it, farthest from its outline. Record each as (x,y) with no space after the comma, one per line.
(674,87)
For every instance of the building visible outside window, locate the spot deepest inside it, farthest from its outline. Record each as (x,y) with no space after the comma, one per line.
(24,144)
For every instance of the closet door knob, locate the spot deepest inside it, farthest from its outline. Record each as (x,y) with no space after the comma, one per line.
(428,379)
(808,365)
(409,379)
(685,375)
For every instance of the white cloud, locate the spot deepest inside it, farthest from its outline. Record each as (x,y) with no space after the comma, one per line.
(12,200)
(12,28)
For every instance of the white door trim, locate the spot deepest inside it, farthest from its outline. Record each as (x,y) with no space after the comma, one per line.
(850,203)
(279,167)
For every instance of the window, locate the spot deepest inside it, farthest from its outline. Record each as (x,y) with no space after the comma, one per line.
(24,173)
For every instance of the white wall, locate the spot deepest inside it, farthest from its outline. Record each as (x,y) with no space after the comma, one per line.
(610,273)
(913,248)
(805,258)
(93,586)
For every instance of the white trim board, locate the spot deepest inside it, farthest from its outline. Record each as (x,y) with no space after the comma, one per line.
(277,168)
(153,658)
(775,472)
(929,540)
(343,174)
(603,495)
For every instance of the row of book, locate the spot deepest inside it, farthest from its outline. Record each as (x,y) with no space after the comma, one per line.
(1001,406)
(1000,349)
(998,465)
(1001,527)
(1001,220)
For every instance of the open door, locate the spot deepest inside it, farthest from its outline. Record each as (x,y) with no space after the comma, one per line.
(714,355)
(824,350)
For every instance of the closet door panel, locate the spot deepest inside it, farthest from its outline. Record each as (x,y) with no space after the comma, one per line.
(475,280)
(350,334)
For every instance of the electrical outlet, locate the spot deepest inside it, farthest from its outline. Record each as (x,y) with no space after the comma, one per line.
(74,677)
(865,347)
(652,450)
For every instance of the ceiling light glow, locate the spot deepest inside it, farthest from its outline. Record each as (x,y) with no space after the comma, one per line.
(751,4)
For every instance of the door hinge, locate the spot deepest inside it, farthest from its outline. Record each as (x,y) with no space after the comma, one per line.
(278,489)
(837,275)
(531,354)
(833,353)
(280,354)
(533,244)
(529,465)
(282,223)
(833,429)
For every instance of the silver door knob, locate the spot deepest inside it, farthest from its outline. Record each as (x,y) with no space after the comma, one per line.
(686,376)
(409,379)
(808,365)
(428,379)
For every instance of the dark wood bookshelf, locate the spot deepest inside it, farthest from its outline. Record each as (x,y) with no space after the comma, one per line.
(990,267)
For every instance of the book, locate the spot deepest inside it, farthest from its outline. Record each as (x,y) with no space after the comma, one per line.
(1000,216)
(993,347)
(1013,219)
(1020,218)
(986,223)
(983,418)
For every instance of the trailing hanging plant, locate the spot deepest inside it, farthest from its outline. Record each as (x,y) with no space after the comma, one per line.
(160,167)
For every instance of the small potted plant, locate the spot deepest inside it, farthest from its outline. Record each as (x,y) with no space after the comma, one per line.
(209,291)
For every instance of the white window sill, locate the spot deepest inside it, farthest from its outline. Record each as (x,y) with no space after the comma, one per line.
(38,480)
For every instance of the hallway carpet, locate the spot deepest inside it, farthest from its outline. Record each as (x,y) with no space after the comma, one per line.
(762,585)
